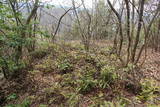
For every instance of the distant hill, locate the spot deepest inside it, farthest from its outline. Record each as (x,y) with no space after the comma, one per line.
(50,16)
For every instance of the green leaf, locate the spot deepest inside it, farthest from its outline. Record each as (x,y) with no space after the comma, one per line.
(12,96)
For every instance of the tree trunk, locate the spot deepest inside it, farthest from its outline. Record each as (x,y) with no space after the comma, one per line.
(138,30)
(128,31)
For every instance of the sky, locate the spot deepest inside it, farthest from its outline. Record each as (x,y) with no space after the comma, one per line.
(88,3)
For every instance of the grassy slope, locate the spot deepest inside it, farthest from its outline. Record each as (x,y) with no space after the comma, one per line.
(68,76)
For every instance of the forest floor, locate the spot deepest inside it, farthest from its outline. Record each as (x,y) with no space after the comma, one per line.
(67,76)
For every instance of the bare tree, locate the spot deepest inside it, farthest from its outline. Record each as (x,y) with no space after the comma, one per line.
(120,25)
(128,30)
(86,36)
(138,29)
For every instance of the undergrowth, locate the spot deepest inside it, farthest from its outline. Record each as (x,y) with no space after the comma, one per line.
(86,79)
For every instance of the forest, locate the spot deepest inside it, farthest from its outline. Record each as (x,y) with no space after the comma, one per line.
(79,53)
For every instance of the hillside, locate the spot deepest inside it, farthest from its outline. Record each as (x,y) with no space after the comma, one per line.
(69,76)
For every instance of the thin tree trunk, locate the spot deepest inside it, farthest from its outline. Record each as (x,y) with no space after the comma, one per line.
(120,26)
(58,25)
(138,29)
(128,30)
(133,25)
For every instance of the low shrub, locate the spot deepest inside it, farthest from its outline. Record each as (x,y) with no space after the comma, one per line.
(25,103)
(149,89)
(38,54)
(65,66)
(86,84)
(107,76)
